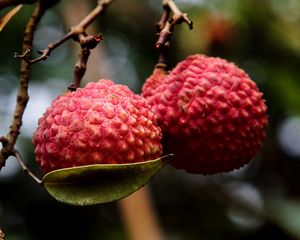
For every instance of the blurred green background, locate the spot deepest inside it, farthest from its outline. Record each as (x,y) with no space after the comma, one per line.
(259,201)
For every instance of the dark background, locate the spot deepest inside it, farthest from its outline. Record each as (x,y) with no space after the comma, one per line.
(259,201)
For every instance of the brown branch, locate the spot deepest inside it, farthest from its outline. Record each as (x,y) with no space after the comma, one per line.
(164,18)
(25,168)
(79,69)
(45,53)
(165,28)
(9,141)
(102,5)
(75,31)
(86,42)
(178,16)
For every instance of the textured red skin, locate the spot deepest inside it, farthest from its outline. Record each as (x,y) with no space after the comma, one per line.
(101,123)
(211,113)
(153,81)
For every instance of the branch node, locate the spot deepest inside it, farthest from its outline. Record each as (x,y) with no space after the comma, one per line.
(24,56)
(165,27)
(90,42)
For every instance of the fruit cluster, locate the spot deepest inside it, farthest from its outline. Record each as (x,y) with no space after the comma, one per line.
(210,113)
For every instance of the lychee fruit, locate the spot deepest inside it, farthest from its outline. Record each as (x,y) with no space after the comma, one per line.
(153,81)
(103,123)
(212,115)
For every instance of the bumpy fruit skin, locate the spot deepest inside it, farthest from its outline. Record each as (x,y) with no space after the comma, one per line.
(153,82)
(100,124)
(212,115)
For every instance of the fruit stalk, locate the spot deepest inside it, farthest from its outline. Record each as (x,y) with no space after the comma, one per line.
(25,169)
(80,68)
(165,27)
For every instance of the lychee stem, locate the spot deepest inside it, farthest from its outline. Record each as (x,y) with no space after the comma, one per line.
(25,169)
(165,27)
(166,24)
(79,69)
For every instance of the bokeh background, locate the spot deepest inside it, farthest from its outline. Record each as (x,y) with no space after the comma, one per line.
(259,201)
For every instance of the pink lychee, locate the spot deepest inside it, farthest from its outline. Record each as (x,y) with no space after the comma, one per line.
(212,115)
(103,123)
(153,81)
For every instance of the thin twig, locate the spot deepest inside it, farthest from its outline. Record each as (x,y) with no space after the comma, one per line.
(80,68)
(164,18)
(86,42)
(25,168)
(165,28)
(45,53)
(168,27)
(102,5)
(178,16)
(74,32)
(22,96)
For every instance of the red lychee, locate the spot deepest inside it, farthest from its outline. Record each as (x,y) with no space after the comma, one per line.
(212,115)
(99,124)
(153,81)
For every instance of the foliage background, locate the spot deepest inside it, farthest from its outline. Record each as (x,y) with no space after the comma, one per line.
(259,201)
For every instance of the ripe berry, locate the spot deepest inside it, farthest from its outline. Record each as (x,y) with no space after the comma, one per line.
(153,82)
(100,124)
(212,115)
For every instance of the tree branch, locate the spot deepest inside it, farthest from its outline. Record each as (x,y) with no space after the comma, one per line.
(102,5)
(79,69)
(9,141)
(165,28)
(75,31)
(25,168)
(86,42)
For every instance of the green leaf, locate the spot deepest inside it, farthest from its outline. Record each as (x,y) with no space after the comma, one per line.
(100,183)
